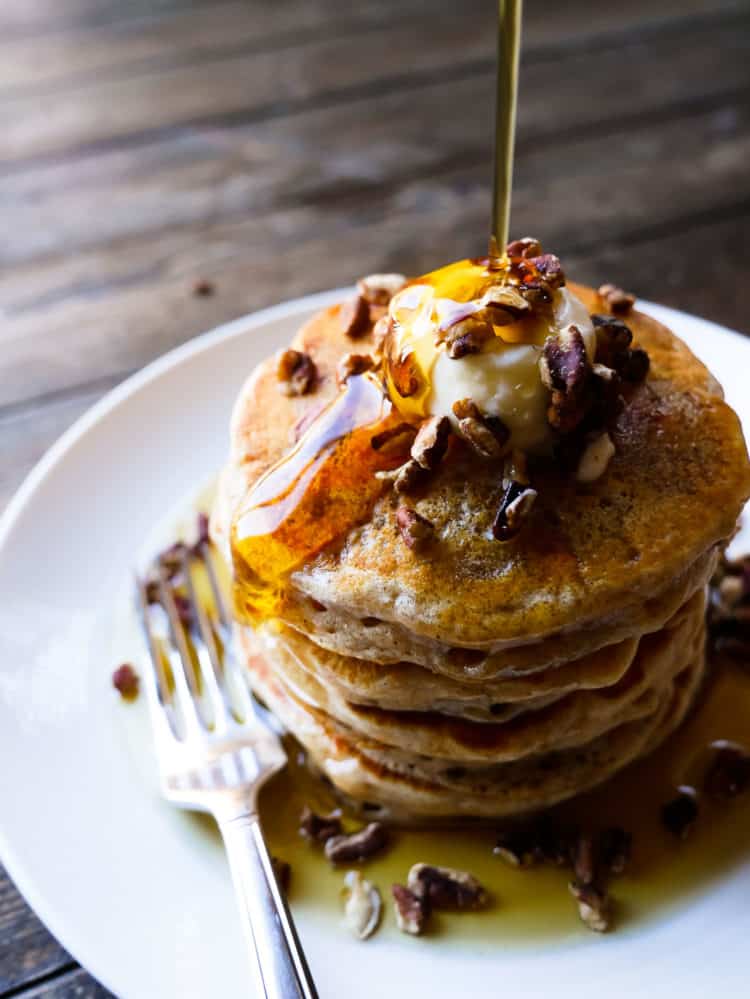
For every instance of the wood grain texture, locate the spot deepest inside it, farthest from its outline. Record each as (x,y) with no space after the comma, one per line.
(28,951)
(279,147)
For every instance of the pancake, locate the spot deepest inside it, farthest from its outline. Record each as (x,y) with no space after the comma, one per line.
(405,687)
(410,788)
(472,677)
(573,720)
(385,642)
(591,556)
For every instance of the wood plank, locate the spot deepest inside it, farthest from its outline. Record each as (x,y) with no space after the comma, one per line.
(25,435)
(180,32)
(28,949)
(37,18)
(206,175)
(73,984)
(98,52)
(99,312)
(238,87)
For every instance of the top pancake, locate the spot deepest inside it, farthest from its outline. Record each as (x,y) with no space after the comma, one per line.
(674,489)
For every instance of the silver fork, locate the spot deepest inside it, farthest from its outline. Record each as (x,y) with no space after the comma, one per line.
(215,750)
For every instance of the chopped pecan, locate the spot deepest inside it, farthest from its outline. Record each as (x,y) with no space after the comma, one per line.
(515,506)
(548,265)
(379,289)
(613,349)
(565,371)
(348,848)
(319,828)
(411,910)
(467,336)
(615,298)
(353,364)
(296,372)
(394,440)
(526,247)
(679,814)
(125,681)
(488,435)
(505,298)
(362,906)
(415,529)
(613,339)
(408,478)
(431,442)
(729,773)
(446,888)
(354,316)
(595,458)
(594,906)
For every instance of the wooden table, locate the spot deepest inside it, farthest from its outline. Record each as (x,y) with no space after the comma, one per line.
(256,150)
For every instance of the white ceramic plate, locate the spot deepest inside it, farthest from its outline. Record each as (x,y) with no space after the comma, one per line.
(136,891)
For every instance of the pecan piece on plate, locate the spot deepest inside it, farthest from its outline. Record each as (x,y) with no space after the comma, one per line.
(319,828)
(125,681)
(362,905)
(347,848)
(446,888)
(412,911)
(594,906)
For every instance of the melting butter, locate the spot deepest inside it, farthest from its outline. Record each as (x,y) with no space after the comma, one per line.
(503,379)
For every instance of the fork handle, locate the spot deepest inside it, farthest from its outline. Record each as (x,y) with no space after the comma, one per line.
(275,950)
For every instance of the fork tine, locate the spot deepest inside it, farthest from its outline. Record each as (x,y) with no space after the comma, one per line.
(157,689)
(235,683)
(218,594)
(180,660)
(210,660)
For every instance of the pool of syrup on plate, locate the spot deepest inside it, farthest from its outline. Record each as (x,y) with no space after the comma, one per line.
(533,903)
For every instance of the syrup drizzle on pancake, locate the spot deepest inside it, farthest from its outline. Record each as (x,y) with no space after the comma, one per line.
(313,496)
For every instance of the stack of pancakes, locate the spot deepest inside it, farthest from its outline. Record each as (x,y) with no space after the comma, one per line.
(479,678)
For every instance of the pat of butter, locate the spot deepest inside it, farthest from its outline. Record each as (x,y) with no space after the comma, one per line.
(503,380)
